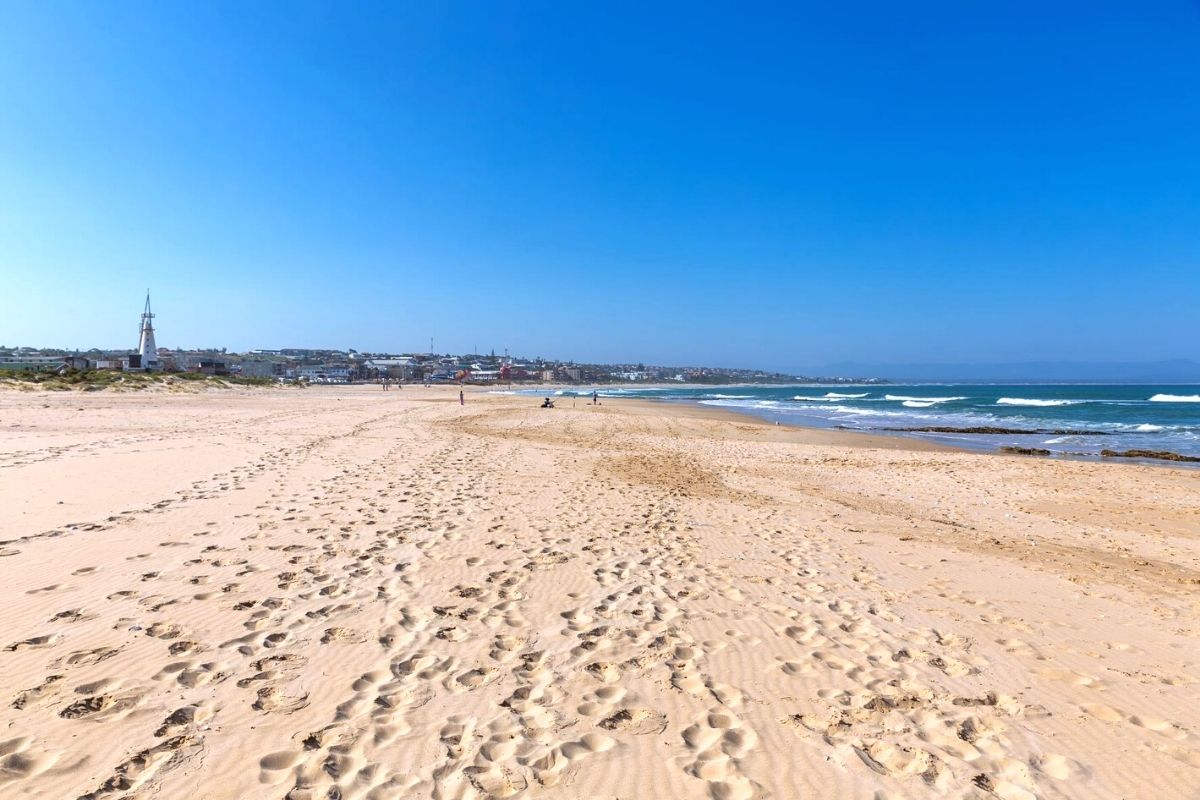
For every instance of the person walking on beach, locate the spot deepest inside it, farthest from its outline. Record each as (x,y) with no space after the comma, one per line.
(595,400)
(461,399)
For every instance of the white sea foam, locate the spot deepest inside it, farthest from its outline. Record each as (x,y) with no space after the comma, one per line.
(839,412)
(741,403)
(830,397)
(1175,398)
(921,399)
(729,396)
(1023,401)
(900,411)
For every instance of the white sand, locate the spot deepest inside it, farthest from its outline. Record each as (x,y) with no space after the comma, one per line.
(275,593)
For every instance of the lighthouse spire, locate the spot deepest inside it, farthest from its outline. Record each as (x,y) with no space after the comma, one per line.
(146,347)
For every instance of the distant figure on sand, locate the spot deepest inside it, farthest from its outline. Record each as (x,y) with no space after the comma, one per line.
(547,403)
(595,398)
(461,399)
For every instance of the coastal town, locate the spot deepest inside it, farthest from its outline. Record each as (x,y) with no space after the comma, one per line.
(336,366)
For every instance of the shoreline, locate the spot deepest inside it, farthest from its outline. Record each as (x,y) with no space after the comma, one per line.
(802,434)
(887,439)
(882,437)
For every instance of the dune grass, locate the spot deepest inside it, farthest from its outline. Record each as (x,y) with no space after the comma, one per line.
(99,380)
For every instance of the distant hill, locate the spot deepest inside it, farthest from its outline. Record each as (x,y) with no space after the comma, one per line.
(1172,371)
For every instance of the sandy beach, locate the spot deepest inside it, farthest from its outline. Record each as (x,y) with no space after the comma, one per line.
(347,593)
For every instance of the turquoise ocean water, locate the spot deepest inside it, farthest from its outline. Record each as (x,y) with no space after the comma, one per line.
(1117,417)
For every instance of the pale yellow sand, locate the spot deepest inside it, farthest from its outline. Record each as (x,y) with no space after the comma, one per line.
(350,593)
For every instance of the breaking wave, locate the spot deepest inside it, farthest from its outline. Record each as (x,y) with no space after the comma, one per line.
(1024,401)
(906,398)
(831,396)
(1175,398)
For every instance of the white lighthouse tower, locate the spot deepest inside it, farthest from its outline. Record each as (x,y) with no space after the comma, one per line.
(146,347)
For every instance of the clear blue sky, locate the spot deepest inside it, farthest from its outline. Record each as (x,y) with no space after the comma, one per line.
(770,185)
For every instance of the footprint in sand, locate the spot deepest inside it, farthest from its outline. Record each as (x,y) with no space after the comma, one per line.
(86,658)
(276,767)
(719,742)
(20,759)
(36,642)
(104,706)
(636,721)
(32,695)
(182,718)
(54,587)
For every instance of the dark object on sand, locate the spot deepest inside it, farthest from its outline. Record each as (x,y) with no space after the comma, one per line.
(1025,451)
(1161,455)
(1002,431)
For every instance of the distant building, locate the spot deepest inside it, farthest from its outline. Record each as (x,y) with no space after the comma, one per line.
(399,368)
(39,363)
(323,374)
(261,369)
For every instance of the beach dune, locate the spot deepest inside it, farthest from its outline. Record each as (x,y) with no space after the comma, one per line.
(346,593)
